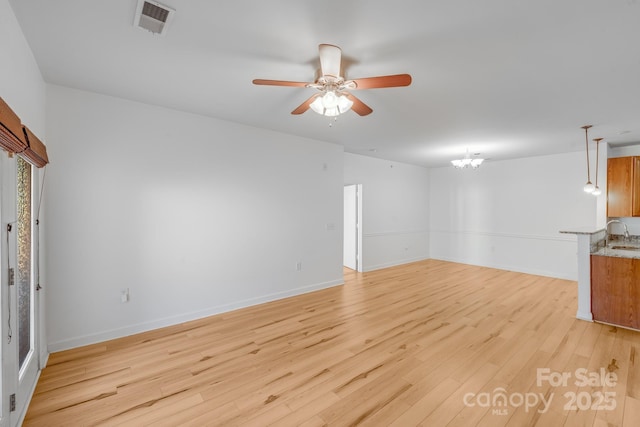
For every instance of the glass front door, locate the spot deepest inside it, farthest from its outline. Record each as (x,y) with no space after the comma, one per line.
(23,272)
(24,285)
(18,299)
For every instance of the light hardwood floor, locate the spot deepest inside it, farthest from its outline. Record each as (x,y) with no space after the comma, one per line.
(430,343)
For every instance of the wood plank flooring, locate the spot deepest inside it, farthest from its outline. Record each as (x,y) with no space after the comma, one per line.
(430,343)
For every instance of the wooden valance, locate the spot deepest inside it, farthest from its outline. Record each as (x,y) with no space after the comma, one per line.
(12,137)
(36,151)
(17,138)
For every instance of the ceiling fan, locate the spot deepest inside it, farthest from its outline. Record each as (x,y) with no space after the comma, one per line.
(334,97)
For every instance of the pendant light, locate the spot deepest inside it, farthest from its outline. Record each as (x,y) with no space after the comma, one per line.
(588,187)
(596,191)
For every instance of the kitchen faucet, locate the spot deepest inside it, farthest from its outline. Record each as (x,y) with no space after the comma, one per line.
(606,230)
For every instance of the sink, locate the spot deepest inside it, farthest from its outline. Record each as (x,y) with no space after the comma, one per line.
(625,247)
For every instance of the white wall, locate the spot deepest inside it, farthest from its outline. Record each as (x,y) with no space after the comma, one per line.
(508,214)
(395,210)
(21,84)
(23,89)
(625,151)
(601,204)
(193,215)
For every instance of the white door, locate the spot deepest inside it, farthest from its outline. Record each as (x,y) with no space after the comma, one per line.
(19,326)
(350,248)
(24,289)
(7,200)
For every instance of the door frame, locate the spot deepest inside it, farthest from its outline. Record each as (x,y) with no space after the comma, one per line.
(8,352)
(358,214)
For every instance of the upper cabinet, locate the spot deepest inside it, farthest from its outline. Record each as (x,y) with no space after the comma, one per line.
(623,186)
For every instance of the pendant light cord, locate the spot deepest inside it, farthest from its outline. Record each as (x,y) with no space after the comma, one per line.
(597,140)
(586,142)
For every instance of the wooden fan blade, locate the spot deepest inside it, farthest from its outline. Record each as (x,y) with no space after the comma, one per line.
(358,106)
(395,80)
(279,83)
(330,57)
(305,105)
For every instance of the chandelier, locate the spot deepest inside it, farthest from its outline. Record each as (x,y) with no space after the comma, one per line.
(467,162)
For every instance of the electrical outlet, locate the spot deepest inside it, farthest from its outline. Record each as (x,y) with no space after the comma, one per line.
(299,266)
(124,296)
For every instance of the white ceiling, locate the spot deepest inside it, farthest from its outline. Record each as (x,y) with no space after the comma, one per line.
(505,78)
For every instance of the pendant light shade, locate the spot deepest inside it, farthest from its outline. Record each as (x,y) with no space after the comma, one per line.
(589,187)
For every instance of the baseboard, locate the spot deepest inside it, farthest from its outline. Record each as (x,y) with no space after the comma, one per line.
(518,269)
(584,316)
(393,263)
(44,360)
(20,420)
(174,320)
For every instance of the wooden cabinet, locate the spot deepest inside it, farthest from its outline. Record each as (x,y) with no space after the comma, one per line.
(623,186)
(615,290)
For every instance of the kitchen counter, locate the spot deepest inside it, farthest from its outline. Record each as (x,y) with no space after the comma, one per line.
(618,248)
(583,230)
(590,242)
(615,269)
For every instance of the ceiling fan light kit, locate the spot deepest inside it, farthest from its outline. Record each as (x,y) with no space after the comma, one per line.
(334,98)
(331,104)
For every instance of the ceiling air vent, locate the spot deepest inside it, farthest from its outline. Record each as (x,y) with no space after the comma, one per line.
(153,16)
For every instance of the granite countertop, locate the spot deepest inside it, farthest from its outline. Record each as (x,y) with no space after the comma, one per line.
(582,230)
(618,247)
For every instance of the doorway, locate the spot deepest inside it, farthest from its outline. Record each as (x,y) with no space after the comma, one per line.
(352,247)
